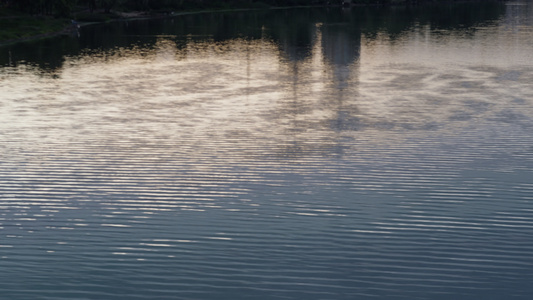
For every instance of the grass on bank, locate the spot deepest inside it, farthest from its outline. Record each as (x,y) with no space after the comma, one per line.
(16,26)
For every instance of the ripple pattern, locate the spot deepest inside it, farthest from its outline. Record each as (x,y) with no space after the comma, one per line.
(197,174)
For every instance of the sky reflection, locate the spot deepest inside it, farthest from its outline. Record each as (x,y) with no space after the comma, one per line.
(336,158)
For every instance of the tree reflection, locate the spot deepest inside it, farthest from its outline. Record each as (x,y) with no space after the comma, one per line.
(291,29)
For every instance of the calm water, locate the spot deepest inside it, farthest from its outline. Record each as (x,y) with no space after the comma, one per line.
(287,154)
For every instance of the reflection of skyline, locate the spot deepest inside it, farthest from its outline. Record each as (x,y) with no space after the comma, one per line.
(518,13)
(229,169)
(292,30)
(315,71)
(341,48)
(322,90)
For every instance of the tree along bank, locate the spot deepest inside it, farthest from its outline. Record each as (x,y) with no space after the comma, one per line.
(29,19)
(65,8)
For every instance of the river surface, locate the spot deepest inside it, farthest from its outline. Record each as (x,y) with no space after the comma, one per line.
(364,153)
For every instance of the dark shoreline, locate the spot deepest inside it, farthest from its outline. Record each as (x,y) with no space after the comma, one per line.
(119,16)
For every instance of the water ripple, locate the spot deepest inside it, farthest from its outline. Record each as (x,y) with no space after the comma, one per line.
(232,170)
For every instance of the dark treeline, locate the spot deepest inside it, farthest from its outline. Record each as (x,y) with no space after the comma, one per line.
(61,8)
(292,30)
(65,8)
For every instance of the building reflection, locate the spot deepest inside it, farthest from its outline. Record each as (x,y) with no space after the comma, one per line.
(312,57)
(341,48)
(322,62)
(518,14)
(292,29)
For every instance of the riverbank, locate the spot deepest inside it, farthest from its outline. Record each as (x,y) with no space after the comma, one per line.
(18,27)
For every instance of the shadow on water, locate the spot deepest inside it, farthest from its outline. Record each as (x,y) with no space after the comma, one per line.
(290,29)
